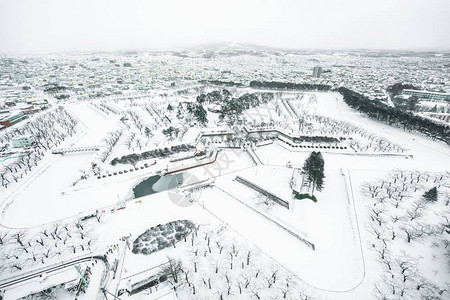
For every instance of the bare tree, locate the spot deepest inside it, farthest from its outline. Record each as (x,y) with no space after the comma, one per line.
(274,273)
(195,263)
(65,226)
(34,257)
(416,211)
(24,249)
(395,218)
(46,252)
(19,237)
(99,214)
(413,214)
(376,230)
(231,259)
(78,224)
(247,280)
(445,195)
(220,246)
(217,265)
(10,255)
(264,201)
(444,223)
(56,231)
(285,291)
(382,251)
(15,177)
(73,247)
(4,237)
(369,189)
(45,231)
(248,256)
(410,232)
(377,218)
(16,265)
(390,284)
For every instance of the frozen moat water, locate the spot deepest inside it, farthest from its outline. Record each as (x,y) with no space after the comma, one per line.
(156,184)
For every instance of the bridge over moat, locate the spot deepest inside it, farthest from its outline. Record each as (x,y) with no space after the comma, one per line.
(76,150)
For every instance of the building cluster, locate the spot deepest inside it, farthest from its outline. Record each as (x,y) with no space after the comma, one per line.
(36,79)
(16,113)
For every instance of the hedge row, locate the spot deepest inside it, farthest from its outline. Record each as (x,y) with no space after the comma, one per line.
(156,153)
(306,196)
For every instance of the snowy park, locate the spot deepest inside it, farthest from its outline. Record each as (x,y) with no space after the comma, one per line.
(157,194)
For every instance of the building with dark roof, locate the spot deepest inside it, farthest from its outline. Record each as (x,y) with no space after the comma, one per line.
(12,118)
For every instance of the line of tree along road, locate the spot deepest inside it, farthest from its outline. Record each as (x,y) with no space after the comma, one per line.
(290,86)
(393,116)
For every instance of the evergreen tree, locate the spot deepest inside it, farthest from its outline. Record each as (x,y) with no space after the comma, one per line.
(226,95)
(148,132)
(394,116)
(201,99)
(431,195)
(200,114)
(314,170)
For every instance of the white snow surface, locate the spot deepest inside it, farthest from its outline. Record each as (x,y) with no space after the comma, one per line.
(343,265)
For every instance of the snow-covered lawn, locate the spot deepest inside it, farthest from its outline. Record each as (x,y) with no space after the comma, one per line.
(329,224)
(346,262)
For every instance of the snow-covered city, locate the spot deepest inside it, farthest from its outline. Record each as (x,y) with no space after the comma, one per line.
(224,170)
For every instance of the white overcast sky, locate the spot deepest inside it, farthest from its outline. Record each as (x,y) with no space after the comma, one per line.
(79,25)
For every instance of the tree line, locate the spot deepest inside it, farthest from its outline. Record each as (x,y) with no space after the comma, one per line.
(290,86)
(220,82)
(156,153)
(397,89)
(231,107)
(394,116)
(235,106)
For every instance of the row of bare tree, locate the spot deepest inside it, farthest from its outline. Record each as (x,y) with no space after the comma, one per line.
(399,216)
(22,249)
(48,129)
(216,267)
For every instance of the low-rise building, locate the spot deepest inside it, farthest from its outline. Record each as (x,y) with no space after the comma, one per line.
(12,118)
(425,95)
(443,117)
(28,109)
(22,141)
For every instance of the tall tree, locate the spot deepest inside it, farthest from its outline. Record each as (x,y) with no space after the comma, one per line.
(201,99)
(200,114)
(172,270)
(431,195)
(313,168)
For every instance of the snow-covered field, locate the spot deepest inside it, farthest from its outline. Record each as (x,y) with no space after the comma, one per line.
(345,262)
